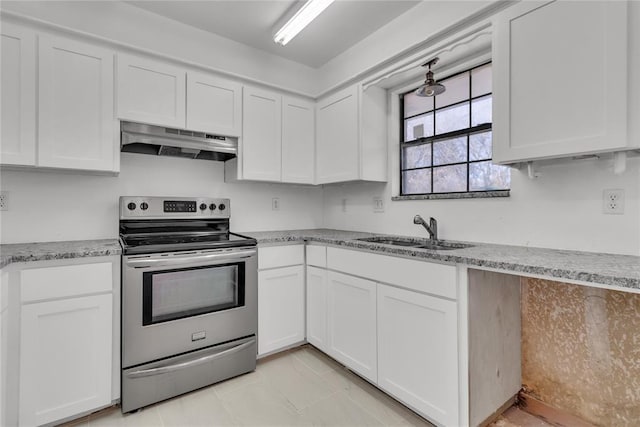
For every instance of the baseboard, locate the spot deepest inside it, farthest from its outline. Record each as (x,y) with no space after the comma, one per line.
(548,413)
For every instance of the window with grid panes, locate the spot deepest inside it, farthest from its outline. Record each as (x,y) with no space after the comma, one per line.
(446,140)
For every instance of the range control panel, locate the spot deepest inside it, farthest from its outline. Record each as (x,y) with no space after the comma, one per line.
(132,207)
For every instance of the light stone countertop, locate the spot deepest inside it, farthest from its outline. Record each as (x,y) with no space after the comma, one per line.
(610,270)
(26,252)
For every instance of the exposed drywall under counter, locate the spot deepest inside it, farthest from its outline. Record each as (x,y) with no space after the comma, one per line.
(581,350)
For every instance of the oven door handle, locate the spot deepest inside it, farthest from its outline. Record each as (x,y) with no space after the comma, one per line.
(184,365)
(202,259)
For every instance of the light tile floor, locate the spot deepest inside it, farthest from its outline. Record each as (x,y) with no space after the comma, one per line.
(300,387)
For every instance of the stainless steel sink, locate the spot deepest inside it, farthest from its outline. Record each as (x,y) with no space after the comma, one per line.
(438,245)
(389,241)
(441,245)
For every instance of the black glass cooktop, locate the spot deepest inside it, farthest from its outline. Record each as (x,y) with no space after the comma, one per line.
(169,236)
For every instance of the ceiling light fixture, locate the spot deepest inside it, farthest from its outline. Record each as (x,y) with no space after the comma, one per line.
(430,86)
(307,13)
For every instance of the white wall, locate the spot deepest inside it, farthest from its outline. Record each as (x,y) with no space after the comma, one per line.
(412,28)
(123,23)
(51,206)
(561,209)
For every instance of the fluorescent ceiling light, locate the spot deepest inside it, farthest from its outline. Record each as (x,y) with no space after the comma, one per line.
(303,17)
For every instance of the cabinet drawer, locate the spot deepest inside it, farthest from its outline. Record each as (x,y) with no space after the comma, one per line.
(437,279)
(65,281)
(317,255)
(280,256)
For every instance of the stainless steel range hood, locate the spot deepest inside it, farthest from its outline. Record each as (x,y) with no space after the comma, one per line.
(161,141)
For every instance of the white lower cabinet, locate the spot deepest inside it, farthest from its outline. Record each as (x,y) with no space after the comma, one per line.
(65,358)
(317,307)
(280,308)
(63,339)
(418,352)
(351,313)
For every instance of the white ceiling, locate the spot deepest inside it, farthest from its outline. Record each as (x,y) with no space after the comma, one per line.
(343,24)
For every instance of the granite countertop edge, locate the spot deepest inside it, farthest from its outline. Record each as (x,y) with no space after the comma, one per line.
(43,251)
(609,270)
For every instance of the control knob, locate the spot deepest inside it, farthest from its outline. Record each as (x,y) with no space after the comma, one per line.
(203,206)
(222,207)
(212,206)
(144,206)
(131,206)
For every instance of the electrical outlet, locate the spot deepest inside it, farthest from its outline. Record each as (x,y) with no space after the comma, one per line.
(613,201)
(4,201)
(344,205)
(378,204)
(275,204)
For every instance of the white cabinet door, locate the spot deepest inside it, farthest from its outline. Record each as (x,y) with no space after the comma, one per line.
(298,140)
(214,104)
(351,313)
(151,92)
(337,141)
(65,358)
(417,352)
(280,308)
(261,135)
(76,126)
(561,91)
(18,93)
(317,307)
(4,344)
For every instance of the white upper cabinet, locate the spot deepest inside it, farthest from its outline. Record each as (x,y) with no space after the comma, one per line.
(261,135)
(18,93)
(277,143)
(76,126)
(338,137)
(559,80)
(214,104)
(151,92)
(298,140)
(351,136)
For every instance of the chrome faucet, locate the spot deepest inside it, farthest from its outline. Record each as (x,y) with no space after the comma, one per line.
(432,227)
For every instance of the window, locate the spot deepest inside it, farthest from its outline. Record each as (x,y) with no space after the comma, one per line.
(446,140)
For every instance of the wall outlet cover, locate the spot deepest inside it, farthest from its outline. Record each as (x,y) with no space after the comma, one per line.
(275,204)
(613,201)
(4,201)
(378,204)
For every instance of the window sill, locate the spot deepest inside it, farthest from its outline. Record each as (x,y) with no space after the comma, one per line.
(471,195)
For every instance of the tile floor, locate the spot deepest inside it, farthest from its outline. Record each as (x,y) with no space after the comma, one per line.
(300,387)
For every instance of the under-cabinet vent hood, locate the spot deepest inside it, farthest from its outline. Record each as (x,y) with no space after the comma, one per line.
(161,141)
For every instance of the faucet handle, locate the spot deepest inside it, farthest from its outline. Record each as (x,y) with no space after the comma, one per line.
(433,225)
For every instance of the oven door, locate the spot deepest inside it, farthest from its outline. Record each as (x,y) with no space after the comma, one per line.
(178,302)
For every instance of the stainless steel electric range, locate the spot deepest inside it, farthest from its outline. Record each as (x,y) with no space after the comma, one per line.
(189,297)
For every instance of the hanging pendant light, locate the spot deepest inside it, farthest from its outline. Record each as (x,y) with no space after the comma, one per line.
(430,86)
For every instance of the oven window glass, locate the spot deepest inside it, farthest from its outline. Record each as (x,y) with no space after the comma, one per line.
(176,294)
